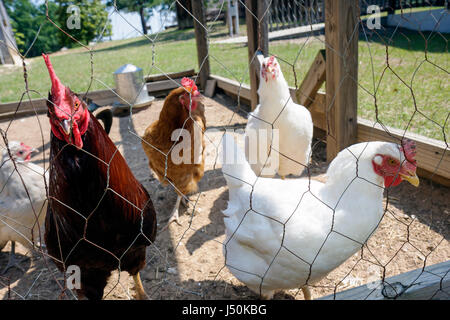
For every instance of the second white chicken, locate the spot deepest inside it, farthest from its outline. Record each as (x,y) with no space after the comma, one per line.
(278,122)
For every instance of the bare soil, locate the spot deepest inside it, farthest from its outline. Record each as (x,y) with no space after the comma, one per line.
(186,262)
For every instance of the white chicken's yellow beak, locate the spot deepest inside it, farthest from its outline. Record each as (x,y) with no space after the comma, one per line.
(413,179)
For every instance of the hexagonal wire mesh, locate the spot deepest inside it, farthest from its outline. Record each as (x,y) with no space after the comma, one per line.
(398,242)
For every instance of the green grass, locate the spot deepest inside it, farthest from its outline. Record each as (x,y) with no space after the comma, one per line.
(424,109)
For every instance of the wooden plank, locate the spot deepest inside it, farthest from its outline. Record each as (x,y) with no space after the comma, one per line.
(341,36)
(431,283)
(313,80)
(233,87)
(210,88)
(201,38)
(258,39)
(100,97)
(433,156)
(168,76)
(317,110)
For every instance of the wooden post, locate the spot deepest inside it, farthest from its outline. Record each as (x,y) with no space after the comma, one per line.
(341,37)
(201,39)
(258,39)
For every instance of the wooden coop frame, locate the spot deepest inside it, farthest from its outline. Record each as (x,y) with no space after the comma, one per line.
(334,112)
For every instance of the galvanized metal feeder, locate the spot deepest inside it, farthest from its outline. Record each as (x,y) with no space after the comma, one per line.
(131,88)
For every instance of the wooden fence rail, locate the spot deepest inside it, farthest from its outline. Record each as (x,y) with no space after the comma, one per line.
(430,283)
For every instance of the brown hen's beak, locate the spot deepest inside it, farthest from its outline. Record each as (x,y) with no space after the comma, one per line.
(411,178)
(65,126)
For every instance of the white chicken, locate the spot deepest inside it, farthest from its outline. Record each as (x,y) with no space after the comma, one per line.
(292,127)
(284,234)
(17,218)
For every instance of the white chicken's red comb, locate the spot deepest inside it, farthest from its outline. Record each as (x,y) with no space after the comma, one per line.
(409,149)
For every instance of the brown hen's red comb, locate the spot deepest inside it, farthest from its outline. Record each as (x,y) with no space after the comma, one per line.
(409,149)
(189,84)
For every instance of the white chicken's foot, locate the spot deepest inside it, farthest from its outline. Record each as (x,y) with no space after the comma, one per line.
(306,293)
(283,177)
(174,214)
(12,262)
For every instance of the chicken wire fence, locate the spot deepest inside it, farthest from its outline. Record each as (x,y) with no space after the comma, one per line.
(163,265)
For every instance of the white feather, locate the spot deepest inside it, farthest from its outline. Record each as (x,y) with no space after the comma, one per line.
(17,219)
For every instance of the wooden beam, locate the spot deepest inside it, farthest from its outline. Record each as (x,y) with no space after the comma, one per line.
(233,88)
(168,76)
(433,156)
(258,40)
(313,80)
(100,97)
(431,283)
(201,38)
(341,37)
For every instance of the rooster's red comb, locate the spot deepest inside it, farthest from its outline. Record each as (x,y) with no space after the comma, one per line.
(189,84)
(57,87)
(409,149)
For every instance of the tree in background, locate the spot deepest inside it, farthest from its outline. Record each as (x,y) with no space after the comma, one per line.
(26,18)
(91,15)
(140,6)
(184,11)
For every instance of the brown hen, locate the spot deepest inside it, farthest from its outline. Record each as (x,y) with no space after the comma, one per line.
(174,144)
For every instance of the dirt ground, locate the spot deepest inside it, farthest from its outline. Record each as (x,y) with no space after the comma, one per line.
(186,261)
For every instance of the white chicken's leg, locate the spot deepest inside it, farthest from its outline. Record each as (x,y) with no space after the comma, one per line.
(12,262)
(306,293)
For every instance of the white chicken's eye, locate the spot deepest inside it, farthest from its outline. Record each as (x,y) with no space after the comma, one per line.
(392,162)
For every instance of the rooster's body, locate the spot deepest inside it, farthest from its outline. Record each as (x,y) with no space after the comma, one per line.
(100,218)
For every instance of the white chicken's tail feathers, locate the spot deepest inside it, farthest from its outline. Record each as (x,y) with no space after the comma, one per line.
(235,167)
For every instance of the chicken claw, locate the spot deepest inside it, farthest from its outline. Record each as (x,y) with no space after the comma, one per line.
(174,214)
(12,262)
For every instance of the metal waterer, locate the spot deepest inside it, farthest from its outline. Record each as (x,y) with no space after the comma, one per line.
(131,88)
